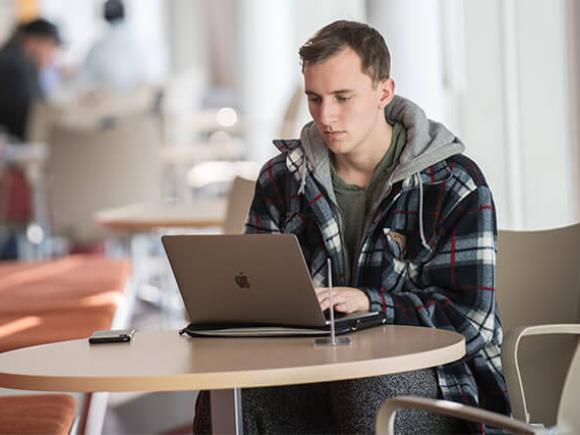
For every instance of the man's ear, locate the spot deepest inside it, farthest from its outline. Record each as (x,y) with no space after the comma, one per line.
(387,89)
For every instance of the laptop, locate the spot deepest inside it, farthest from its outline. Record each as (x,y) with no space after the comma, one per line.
(253,284)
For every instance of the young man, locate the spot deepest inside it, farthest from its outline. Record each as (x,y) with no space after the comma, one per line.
(409,224)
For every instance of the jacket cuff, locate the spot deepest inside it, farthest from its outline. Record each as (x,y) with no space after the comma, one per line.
(381,302)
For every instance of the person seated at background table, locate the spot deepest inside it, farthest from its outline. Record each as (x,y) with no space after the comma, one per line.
(409,224)
(31,48)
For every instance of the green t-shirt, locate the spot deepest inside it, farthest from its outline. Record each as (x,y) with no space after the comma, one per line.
(354,201)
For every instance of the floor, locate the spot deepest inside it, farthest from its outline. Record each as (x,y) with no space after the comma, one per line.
(168,413)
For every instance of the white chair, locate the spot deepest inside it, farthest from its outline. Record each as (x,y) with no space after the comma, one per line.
(568,417)
(214,178)
(92,170)
(538,284)
(239,202)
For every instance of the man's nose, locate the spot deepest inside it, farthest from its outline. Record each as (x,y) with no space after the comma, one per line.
(327,113)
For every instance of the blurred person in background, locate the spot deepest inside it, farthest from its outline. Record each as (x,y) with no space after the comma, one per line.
(29,51)
(115,62)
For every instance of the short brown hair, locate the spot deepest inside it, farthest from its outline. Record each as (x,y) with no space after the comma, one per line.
(367,42)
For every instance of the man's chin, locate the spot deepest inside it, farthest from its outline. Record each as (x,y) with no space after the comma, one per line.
(338,147)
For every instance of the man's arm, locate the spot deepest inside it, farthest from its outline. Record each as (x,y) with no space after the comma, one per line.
(265,212)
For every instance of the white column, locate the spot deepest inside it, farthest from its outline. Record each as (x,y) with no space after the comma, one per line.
(550,197)
(186,25)
(148,20)
(413,33)
(574,55)
(7,19)
(312,16)
(266,62)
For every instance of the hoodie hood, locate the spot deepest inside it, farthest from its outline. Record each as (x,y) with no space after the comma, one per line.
(428,142)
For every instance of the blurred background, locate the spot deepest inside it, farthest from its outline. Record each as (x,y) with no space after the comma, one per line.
(128,119)
(223,79)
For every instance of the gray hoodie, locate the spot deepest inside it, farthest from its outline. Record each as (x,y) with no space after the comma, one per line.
(428,142)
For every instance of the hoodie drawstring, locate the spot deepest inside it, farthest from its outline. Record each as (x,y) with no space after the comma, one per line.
(302,177)
(421,229)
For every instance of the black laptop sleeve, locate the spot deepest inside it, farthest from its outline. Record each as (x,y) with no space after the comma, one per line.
(341,328)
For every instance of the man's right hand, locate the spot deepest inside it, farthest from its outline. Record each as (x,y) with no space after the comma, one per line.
(346,299)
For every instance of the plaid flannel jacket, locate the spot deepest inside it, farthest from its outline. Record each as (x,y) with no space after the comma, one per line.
(445,279)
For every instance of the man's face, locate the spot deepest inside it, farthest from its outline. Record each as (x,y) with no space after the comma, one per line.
(42,51)
(344,103)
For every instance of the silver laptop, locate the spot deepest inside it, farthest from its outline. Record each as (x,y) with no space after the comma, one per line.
(258,279)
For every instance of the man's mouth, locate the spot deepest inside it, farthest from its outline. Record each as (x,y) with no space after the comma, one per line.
(333,133)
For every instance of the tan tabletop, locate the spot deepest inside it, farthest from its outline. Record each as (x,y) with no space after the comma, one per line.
(165,361)
(151,216)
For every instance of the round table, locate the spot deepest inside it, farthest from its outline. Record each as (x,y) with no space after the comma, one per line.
(166,361)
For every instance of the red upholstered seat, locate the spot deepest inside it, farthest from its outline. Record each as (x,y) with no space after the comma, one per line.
(48,414)
(52,301)
(70,282)
(23,330)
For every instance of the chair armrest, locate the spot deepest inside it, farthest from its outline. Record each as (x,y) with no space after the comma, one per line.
(387,412)
(509,359)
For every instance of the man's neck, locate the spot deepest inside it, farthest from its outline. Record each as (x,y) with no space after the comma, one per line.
(359,166)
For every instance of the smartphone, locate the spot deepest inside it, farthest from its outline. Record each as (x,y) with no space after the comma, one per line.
(111,336)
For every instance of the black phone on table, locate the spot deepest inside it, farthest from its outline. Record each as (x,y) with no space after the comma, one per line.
(111,336)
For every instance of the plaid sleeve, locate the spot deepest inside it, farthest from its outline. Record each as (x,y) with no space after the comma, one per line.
(455,288)
(266,210)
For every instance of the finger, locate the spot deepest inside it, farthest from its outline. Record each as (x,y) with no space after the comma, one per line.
(320,290)
(339,299)
(343,308)
(321,297)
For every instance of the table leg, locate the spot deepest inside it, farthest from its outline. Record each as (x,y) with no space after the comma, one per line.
(226,411)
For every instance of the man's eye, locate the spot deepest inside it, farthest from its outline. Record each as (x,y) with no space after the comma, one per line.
(314,99)
(342,99)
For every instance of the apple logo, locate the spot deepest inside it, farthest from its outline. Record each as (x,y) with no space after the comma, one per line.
(242,280)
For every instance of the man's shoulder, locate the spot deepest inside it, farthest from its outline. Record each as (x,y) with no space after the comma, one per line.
(286,146)
(464,167)
(275,167)
(278,165)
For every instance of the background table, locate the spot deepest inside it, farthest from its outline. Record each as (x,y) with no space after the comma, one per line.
(144,224)
(151,216)
(165,361)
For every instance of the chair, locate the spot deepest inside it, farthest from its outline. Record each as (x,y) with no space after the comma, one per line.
(538,282)
(568,418)
(214,178)
(531,264)
(239,202)
(37,414)
(92,170)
